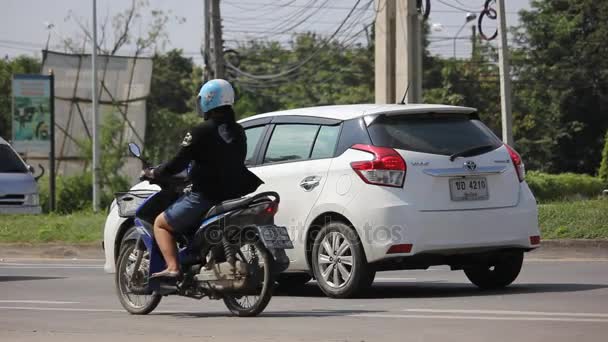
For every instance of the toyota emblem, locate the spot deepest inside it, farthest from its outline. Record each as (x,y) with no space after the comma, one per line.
(470,165)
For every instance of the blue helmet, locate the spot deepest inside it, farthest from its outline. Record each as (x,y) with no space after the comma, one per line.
(213,94)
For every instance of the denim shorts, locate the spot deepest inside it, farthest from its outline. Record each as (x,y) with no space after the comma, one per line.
(186,214)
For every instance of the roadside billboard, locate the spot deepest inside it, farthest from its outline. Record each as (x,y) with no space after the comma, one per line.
(31,114)
(123,86)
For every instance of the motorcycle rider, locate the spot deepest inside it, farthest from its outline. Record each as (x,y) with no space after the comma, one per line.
(217,148)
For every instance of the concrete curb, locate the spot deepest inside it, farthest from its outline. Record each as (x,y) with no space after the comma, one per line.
(575,243)
(571,248)
(550,249)
(51,250)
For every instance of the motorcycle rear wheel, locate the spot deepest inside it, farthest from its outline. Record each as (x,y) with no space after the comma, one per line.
(247,305)
(136,304)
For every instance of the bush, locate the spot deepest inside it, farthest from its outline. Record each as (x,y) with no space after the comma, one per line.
(75,193)
(565,186)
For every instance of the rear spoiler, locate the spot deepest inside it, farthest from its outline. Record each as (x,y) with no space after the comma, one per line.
(471,113)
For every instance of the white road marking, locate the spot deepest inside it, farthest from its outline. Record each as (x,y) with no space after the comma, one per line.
(48,268)
(9,259)
(357,315)
(558,259)
(33,308)
(12,265)
(37,301)
(510,312)
(485,318)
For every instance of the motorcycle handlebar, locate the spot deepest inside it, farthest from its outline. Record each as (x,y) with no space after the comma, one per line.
(174,180)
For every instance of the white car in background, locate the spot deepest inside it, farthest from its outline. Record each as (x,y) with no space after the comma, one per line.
(18,187)
(369,188)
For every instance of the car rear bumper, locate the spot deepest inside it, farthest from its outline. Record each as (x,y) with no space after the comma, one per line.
(21,209)
(446,232)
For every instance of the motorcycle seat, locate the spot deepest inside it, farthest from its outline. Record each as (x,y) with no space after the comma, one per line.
(239,203)
(228,206)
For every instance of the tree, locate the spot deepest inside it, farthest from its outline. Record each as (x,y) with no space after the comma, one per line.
(121,33)
(603,171)
(9,67)
(339,74)
(170,105)
(170,91)
(561,83)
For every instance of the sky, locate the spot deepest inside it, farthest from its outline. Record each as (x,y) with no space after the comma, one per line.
(23,23)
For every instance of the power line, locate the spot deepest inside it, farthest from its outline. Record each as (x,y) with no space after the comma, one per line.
(303,62)
(458,7)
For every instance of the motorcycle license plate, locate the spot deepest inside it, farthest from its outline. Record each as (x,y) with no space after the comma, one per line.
(275,237)
(469,189)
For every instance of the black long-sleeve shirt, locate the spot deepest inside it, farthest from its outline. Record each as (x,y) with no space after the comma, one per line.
(217,150)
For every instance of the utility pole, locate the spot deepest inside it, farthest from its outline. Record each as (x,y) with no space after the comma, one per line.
(94,112)
(408,51)
(505,76)
(398,53)
(385,51)
(473,41)
(219,67)
(206,40)
(52,177)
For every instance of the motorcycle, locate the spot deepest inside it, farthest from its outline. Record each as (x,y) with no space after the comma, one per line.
(235,255)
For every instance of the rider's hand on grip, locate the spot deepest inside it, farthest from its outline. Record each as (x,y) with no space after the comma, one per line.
(146,174)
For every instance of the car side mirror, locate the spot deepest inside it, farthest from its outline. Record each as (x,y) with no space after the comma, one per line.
(135,150)
(30,168)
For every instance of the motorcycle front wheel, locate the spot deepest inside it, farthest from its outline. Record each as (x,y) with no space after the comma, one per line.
(135,302)
(254,253)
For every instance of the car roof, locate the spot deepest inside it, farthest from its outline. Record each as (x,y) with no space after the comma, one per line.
(3,142)
(346,112)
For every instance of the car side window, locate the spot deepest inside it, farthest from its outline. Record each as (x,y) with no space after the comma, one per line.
(254,134)
(325,144)
(290,142)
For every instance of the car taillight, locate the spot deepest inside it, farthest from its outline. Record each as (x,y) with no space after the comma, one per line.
(517,163)
(387,168)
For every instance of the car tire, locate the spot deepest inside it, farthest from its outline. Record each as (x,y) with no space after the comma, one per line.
(497,274)
(344,272)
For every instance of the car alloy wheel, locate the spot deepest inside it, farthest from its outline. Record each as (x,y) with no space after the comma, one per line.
(335,259)
(338,261)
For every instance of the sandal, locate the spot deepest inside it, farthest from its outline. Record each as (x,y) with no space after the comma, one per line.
(166,274)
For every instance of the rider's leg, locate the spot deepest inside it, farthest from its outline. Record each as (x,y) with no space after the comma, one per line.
(164,238)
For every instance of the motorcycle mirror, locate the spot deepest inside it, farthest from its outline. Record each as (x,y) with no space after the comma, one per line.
(135,150)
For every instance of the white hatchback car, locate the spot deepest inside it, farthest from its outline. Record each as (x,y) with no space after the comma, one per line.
(367,188)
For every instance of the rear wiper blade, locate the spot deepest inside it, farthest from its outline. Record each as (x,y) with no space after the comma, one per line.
(471,151)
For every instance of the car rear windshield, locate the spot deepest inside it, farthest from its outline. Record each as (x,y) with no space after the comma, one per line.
(443,134)
(9,161)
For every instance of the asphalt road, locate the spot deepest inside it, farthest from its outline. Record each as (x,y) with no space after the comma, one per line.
(64,300)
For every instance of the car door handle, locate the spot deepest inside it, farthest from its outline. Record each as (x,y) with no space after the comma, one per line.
(310,182)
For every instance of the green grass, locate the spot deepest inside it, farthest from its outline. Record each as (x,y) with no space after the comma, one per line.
(558,220)
(574,220)
(80,227)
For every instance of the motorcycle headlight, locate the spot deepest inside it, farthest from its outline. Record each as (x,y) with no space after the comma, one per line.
(32,199)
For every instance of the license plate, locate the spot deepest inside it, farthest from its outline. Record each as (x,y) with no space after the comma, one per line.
(275,237)
(469,189)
